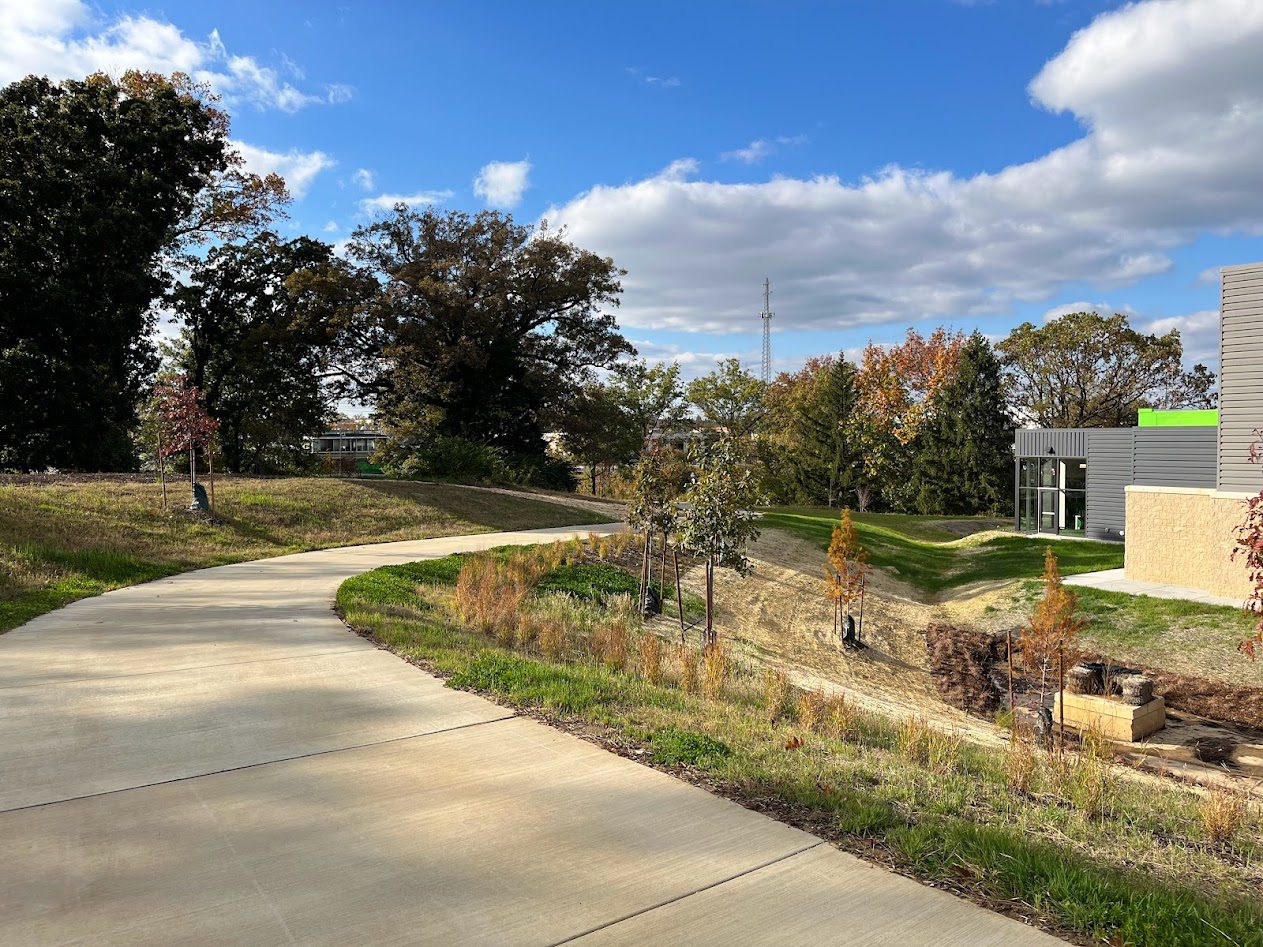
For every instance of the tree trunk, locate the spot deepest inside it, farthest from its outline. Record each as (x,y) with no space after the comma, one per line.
(210,467)
(644,574)
(1061,703)
(679,596)
(162,469)
(710,601)
(1008,639)
(592,475)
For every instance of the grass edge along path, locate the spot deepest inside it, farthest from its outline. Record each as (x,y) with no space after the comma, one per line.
(729,746)
(65,541)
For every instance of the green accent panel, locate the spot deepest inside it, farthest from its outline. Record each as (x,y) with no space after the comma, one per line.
(1200,417)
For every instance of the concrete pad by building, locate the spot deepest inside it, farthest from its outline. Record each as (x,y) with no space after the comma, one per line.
(214,758)
(1114,580)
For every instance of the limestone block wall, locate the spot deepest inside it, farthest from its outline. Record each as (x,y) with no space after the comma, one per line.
(1184,536)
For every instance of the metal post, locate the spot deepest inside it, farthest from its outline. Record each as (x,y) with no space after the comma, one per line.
(162,468)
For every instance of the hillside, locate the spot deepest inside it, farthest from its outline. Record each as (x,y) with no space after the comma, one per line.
(65,540)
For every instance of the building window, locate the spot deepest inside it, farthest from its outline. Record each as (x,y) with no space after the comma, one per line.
(1052,495)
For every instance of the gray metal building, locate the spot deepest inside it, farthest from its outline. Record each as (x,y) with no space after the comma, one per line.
(1240,375)
(1071,482)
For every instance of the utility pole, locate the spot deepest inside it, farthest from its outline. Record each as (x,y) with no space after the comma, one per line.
(766,316)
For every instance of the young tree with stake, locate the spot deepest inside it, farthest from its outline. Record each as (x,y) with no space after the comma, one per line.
(846,574)
(652,509)
(1048,641)
(718,519)
(184,425)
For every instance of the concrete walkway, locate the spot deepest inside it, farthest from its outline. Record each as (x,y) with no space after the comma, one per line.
(1114,580)
(215,758)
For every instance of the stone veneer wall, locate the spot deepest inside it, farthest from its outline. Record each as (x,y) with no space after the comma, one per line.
(1184,536)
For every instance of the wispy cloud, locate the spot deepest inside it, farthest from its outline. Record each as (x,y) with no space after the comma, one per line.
(298,168)
(364,178)
(662,82)
(416,199)
(760,148)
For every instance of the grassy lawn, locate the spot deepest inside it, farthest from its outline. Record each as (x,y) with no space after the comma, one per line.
(930,555)
(61,542)
(1092,855)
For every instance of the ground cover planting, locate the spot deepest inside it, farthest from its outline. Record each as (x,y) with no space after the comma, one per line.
(1075,843)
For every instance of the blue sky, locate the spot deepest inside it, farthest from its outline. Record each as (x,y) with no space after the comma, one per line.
(886,164)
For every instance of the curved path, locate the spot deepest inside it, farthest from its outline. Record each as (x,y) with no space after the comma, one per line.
(215,758)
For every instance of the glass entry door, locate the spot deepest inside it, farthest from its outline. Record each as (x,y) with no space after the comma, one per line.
(1052,495)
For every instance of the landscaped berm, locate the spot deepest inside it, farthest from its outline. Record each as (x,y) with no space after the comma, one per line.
(1091,850)
(68,538)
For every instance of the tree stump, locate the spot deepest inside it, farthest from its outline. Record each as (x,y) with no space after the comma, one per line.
(1084,679)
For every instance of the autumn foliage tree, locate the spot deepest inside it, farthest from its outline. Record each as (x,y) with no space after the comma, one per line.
(896,390)
(652,508)
(184,425)
(1049,640)
(1249,549)
(846,572)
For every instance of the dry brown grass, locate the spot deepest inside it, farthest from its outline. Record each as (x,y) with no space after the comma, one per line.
(1087,778)
(776,693)
(611,644)
(1021,765)
(716,666)
(1223,814)
(686,658)
(551,639)
(651,658)
(810,709)
(839,717)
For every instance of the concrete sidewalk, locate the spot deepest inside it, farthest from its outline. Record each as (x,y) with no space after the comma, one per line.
(1115,580)
(215,758)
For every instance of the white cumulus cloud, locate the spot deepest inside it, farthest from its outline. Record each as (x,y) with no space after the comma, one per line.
(298,168)
(1170,97)
(502,183)
(65,39)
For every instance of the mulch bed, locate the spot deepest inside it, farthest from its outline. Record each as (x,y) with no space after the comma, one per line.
(961,661)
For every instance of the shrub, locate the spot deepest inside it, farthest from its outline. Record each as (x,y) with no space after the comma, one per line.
(446,458)
(776,692)
(672,746)
(540,470)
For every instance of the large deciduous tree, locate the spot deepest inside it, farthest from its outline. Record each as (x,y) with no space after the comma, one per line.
(469,326)
(897,389)
(262,360)
(1084,369)
(652,394)
(102,183)
(729,398)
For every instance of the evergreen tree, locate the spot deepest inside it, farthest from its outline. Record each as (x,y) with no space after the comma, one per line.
(963,461)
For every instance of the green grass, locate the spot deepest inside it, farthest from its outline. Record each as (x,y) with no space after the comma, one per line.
(920,551)
(65,541)
(1139,872)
